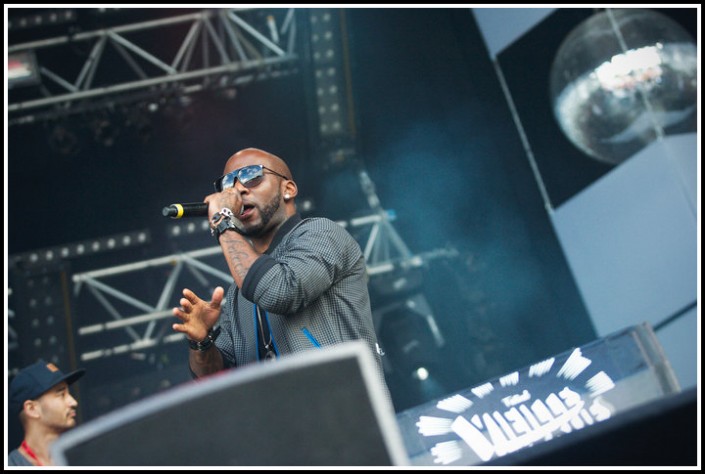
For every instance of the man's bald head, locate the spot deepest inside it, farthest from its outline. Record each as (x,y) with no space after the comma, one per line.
(255,156)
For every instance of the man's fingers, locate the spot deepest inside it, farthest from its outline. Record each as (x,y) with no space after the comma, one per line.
(178,327)
(217,298)
(179,313)
(186,305)
(190,295)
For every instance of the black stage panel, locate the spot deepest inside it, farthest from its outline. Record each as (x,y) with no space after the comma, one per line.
(318,408)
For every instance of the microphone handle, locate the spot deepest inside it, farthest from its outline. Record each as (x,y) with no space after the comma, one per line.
(186,209)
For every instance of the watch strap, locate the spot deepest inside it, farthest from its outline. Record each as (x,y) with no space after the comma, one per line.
(205,344)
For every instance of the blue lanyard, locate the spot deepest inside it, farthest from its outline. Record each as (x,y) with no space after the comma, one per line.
(259,326)
(310,337)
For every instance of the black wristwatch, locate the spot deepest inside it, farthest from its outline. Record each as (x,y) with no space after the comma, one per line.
(225,217)
(205,344)
(225,224)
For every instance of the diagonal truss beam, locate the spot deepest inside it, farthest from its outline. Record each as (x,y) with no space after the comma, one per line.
(99,285)
(244,44)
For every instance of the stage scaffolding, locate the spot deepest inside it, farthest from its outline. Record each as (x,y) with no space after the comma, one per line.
(126,309)
(217,48)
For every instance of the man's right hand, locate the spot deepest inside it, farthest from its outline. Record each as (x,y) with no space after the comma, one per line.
(198,316)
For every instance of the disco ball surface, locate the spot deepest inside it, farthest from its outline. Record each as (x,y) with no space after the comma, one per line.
(622,79)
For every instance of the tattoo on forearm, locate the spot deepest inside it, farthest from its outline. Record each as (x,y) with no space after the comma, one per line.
(237,256)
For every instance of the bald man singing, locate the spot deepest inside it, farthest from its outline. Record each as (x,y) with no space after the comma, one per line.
(298,284)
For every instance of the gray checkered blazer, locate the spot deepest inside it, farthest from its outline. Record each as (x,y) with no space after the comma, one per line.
(312,283)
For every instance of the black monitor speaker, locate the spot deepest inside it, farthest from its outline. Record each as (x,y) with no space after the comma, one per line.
(322,407)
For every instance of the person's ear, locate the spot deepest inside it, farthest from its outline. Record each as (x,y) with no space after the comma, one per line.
(31,408)
(290,190)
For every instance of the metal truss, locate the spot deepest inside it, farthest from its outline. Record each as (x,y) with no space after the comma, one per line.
(386,253)
(99,283)
(384,249)
(187,53)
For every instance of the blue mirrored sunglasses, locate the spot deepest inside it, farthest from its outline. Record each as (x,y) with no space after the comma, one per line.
(249,176)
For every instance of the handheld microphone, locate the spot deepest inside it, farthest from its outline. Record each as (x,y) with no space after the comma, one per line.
(186,209)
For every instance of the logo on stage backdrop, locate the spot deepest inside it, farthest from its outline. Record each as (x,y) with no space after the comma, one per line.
(518,410)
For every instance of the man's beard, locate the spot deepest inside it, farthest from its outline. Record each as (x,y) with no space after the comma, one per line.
(266,214)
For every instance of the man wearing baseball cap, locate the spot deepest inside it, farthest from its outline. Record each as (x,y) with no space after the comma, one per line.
(40,394)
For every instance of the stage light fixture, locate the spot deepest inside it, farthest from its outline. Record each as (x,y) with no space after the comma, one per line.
(63,140)
(105,130)
(22,69)
(43,257)
(42,19)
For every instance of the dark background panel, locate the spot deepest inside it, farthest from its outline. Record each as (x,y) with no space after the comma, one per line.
(102,190)
(444,153)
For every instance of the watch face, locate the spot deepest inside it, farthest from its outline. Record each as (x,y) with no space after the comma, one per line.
(216,217)
(225,224)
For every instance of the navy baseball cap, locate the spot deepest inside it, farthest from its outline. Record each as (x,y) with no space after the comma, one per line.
(34,380)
